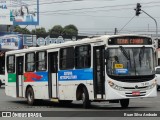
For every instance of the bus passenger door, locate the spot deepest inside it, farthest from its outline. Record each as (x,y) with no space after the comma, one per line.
(98,71)
(19,75)
(52,74)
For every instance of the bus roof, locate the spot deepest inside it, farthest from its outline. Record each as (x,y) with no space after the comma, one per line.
(70,43)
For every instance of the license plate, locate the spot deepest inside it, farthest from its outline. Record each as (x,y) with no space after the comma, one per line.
(135,93)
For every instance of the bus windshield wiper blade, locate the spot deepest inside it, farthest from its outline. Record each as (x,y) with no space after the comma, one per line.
(124,52)
(127,55)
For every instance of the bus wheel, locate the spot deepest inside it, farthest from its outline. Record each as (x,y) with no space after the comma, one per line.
(85,98)
(30,96)
(124,103)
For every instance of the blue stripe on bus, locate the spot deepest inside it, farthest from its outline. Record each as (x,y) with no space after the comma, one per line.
(73,75)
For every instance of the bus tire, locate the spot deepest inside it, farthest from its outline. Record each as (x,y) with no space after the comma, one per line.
(30,96)
(124,103)
(85,98)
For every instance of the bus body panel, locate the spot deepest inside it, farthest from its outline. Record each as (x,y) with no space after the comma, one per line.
(40,89)
(69,80)
(39,83)
(10,89)
(67,90)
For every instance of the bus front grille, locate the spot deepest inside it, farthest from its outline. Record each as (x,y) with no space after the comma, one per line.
(129,94)
(135,88)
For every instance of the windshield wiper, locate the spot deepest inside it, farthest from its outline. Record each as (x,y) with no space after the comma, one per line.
(141,55)
(127,55)
(124,52)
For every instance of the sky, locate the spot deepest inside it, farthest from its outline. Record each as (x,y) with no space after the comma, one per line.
(99,16)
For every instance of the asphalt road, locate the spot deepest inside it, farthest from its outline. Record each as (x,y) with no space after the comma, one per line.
(75,109)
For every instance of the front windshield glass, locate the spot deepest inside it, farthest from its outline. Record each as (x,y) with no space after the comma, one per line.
(124,61)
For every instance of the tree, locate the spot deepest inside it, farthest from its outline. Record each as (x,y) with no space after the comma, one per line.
(17,28)
(56,30)
(21,30)
(70,30)
(41,30)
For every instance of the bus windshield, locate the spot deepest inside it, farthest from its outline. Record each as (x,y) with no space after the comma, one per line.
(124,61)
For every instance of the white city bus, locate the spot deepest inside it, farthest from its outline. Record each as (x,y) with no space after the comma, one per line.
(112,68)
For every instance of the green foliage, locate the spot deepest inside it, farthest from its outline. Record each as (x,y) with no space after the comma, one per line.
(56,30)
(21,30)
(70,30)
(41,30)
(67,30)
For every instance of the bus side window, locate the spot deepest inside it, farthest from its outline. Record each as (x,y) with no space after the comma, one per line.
(11,64)
(41,61)
(67,58)
(83,56)
(30,62)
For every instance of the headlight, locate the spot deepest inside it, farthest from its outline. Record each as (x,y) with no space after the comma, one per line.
(152,85)
(155,82)
(110,83)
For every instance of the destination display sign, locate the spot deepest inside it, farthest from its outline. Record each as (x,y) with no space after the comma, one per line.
(129,41)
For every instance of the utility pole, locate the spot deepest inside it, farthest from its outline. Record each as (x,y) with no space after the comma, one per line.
(115,31)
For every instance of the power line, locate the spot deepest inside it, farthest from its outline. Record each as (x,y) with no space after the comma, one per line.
(87,15)
(101,7)
(127,23)
(80,9)
(42,2)
(45,3)
(120,17)
(89,8)
(60,2)
(74,13)
(90,11)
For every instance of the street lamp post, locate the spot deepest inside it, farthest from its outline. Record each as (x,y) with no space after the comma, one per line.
(138,9)
(154,21)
